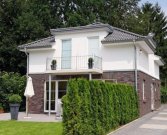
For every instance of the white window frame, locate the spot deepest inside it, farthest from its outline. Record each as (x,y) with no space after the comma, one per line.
(143,89)
(104,80)
(56,95)
(52,111)
(98,49)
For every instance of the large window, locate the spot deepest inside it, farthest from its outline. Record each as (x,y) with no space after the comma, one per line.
(93,45)
(66,54)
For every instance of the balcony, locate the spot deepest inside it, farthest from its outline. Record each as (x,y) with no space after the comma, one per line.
(74,65)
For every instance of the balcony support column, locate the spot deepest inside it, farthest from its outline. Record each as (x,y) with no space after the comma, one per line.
(90,76)
(50,82)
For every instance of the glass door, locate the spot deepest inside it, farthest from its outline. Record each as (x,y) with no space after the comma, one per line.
(53,97)
(62,86)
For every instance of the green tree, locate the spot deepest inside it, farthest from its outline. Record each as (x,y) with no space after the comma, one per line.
(151,18)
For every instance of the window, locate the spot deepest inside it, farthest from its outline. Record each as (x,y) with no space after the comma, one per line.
(66,54)
(53,96)
(143,88)
(93,45)
(62,86)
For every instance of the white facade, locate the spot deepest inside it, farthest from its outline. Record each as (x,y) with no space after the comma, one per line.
(117,57)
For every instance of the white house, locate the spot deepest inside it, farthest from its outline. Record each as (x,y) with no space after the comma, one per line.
(96,51)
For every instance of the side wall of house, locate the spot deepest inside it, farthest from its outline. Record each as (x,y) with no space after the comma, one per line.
(145,104)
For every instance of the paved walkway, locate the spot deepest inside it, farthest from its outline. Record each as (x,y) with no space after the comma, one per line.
(154,123)
(33,117)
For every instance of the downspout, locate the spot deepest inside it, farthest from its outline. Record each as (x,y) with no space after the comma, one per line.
(135,63)
(27,79)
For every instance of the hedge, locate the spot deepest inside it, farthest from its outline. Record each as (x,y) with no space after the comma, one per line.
(164,95)
(94,107)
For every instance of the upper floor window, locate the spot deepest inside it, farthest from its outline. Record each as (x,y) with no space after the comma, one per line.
(66,54)
(93,46)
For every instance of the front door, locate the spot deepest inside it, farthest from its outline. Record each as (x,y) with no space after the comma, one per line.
(152,97)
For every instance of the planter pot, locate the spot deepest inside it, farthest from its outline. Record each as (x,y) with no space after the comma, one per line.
(53,67)
(14,111)
(1,111)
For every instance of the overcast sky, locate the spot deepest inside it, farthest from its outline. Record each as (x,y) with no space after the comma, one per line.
(162,3)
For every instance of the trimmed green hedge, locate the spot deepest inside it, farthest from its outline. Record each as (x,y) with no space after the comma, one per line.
(164,95)
(94,107)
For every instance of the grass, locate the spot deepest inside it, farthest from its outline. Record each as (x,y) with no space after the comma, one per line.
(30,128)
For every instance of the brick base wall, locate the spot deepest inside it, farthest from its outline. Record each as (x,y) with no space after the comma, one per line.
(36,104)
(145,105)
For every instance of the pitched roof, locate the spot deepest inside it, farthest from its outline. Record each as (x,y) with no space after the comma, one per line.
(42,43)
(114,35)
(92,26)
(119,35)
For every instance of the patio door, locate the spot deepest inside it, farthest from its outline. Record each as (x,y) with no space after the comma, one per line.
(152,97)
(53,97)
(66,54)
(58,90)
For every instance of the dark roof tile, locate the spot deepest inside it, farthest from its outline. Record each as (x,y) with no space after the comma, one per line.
(42,43)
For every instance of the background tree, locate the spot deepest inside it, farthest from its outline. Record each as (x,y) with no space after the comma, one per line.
(151,18)
(23,21)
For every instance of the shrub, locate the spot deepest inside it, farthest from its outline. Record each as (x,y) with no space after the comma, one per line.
(94,107)
(15,99)
(1,107)
(11,83)
(164,94)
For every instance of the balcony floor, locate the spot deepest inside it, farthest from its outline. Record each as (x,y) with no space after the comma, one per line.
(72,72)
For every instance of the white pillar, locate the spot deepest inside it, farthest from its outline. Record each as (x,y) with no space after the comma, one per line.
(56,96)
(50,79)
(90,76)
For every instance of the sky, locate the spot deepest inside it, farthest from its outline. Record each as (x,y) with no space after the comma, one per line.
(162,3)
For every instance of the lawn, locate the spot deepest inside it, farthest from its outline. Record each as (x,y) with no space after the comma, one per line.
(30,128)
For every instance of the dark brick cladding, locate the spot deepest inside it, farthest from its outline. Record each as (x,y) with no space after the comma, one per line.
(37,102)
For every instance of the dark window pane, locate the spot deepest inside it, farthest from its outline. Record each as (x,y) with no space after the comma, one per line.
(61,94)
(53,95)
(47,105)
(62,85)
(52,105)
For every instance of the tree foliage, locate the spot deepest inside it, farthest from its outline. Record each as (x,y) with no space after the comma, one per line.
(23,21)
(151,18)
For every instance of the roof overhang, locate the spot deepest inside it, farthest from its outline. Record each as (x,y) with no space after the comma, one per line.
(159,60)
(147,41)
(30,49)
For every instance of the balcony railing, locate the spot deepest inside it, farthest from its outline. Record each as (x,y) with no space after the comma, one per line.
(74,63)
